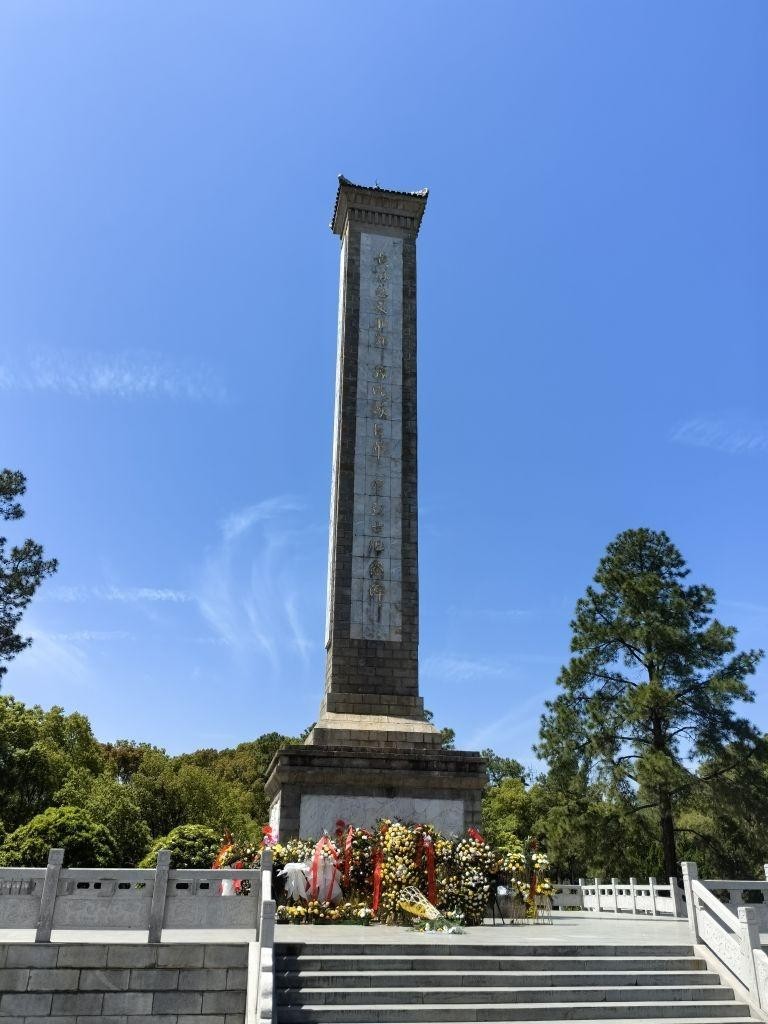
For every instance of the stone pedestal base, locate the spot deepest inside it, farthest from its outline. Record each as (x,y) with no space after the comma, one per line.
(311,787)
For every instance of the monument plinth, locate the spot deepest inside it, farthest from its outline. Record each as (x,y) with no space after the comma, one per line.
(371,753)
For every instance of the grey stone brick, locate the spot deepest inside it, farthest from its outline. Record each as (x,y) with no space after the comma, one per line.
(53,1020)
(226,956)
(86,1003)
(27,955)
(14,979)
(91,955)
(150,1019)
(58,979)
(151,980)
(95,980)
(183,955)
(224,1002)
(127,1003)
(234,1018)
(237,977)
(198,1018)
(110,1019)
(26,1004)
(177,1002)
(131,956)
(205,980)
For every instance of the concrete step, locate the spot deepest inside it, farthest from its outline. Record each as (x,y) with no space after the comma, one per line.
(492,979)
(373,1013)
(469,994)
(489,962)
(466,949)
(460,983)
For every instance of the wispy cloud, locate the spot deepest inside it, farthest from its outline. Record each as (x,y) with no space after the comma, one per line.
(451,668)
(238,522)
(492,614)
(252,593)
(520,722)
(126,595)
(730,435)
(52,657)
(89,636)
(91,374)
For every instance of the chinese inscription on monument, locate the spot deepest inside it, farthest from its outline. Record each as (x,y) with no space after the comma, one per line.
(377,531)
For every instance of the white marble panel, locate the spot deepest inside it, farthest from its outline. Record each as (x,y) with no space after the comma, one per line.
(320,813)
(274,813)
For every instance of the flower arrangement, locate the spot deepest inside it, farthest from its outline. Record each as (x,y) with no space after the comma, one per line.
(322,912)
(360,874)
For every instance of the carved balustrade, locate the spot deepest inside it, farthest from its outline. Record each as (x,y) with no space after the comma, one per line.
(127,899)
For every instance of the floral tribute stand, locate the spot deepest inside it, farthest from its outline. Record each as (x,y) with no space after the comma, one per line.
(399,874)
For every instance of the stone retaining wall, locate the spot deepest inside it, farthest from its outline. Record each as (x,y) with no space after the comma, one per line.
(188,983)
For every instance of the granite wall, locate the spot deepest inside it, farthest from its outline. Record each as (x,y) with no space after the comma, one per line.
(66,983)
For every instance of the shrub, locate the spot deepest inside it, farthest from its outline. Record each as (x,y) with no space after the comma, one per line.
(86,844)
(191,846)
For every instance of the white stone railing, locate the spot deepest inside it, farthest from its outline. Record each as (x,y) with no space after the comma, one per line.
(733,938)
(126,899)
(262,954)
(657,899)
(567,896)
(738,892)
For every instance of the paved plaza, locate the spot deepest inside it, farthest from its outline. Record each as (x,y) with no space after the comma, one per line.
(567,928)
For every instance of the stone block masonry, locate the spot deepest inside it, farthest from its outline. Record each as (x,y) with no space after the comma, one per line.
(190,983)
(371,704)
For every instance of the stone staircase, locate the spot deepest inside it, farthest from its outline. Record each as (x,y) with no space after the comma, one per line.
(337,983)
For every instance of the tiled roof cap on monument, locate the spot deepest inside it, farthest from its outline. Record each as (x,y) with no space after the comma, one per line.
(377,205)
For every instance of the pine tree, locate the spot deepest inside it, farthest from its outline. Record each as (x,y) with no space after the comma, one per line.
(22,570)
(651,689)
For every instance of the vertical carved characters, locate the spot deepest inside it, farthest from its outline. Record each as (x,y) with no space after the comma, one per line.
(377,533)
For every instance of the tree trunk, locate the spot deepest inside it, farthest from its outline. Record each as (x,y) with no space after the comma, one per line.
(668,844)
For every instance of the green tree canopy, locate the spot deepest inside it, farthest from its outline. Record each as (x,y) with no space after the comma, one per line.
(191,846)
(652,688)
(22,569)
(109,803)
(500,768)
(38,750)
(86,844)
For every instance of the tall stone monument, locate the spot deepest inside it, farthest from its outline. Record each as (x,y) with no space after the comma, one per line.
(371,753)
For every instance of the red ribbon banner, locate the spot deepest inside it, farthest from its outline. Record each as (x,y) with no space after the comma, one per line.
(313,882)
(377,863)
(348,853)
(431,886)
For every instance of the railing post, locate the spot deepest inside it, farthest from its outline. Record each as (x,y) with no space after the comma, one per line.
(765,869)
(265,1008)
(674,892)
(652,887)
(159,894)
(615,887)
(750,941)
(597,895)
(633,891)
(266,873)
(691,874)
(48,898)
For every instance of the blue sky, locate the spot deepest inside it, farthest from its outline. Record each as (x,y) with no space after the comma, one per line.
(593,314)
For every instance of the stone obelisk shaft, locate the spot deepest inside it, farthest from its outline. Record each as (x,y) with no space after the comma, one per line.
(373,588)
(371,754)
